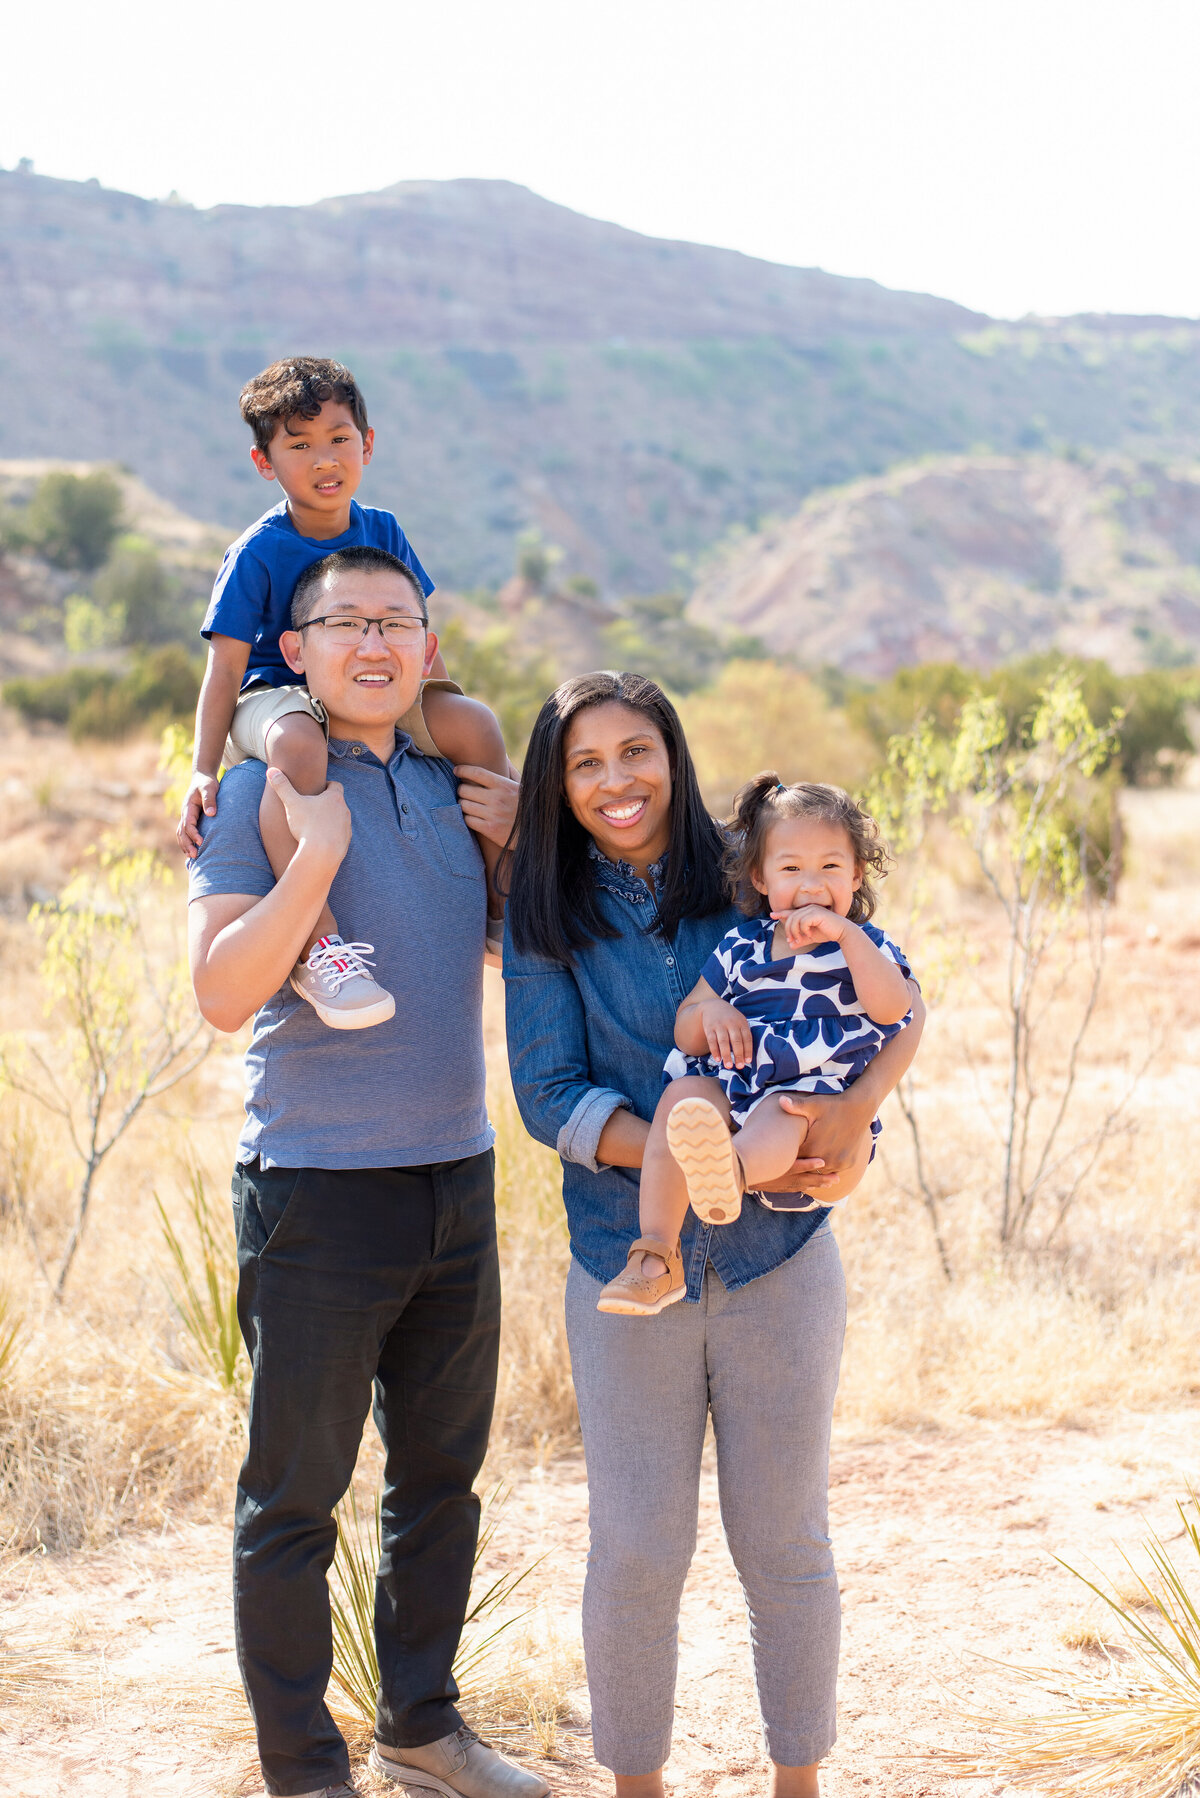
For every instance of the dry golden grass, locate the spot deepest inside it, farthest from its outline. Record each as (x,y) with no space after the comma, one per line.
(1130,1729)
(108,1423)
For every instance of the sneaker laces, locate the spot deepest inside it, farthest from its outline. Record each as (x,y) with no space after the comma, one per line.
(336,963)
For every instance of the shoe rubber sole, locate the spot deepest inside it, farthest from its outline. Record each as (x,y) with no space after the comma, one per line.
(421,1781)
(698,1137)
(379,1013)
(618,1307)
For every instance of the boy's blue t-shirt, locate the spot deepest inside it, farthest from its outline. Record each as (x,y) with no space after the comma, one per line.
(252,597)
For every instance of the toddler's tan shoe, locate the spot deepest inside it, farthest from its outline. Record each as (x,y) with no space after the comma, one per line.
(698,1137)
(636,1293)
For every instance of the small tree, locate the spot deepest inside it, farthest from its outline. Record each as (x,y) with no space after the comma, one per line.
(124,1025)
(132,590)
(536,559)
(1039,821)
(73,519)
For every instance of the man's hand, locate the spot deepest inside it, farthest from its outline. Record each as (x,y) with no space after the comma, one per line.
(810,924)
(726,1032)
(488,801)
(201,796)
(318,821)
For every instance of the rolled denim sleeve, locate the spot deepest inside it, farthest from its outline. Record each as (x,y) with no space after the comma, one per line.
(559,1102)
(579,1137)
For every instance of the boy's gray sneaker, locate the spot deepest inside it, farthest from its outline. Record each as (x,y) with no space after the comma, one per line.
(337,985)
(459,1766)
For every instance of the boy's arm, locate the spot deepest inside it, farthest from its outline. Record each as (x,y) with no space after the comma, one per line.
(227,659)
(468,734)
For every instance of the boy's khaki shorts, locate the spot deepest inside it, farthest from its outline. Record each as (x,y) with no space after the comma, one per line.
(260,707)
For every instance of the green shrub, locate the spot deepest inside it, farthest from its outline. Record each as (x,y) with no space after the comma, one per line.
(97,702)
(72,520)
(655,637)
(1152,733)
(52,698)
(160,686)
(87,626)
(133,590)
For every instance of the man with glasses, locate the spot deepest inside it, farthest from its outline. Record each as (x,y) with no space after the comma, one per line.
(363,1198)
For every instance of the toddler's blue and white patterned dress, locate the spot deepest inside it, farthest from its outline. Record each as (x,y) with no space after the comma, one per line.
(808,1026)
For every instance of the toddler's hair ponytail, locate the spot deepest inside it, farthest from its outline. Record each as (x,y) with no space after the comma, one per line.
(763,802)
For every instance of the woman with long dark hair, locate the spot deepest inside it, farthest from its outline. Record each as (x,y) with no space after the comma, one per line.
(616,900)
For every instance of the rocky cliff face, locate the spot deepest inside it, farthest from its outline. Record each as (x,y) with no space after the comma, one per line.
(528,366)
(976,560)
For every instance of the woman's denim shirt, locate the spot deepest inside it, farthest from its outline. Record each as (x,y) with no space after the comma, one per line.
(586,1040)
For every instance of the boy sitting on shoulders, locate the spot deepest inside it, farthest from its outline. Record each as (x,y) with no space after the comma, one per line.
(311,435)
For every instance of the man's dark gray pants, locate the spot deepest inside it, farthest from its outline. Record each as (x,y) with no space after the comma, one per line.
(383,1278)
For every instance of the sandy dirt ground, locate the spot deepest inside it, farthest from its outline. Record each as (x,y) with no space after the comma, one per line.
(944,1544)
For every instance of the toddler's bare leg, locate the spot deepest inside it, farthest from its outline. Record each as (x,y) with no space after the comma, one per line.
(295,745)
(663,1196)
(769,1141)
(828,1195)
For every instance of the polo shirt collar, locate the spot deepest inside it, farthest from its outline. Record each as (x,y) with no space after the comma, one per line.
(342,748)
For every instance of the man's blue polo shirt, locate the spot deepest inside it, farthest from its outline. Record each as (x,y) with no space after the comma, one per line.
(252,596)
(409,1091)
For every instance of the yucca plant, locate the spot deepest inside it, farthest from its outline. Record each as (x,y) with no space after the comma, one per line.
(1133,1730)
(352,1602)
(205,1297)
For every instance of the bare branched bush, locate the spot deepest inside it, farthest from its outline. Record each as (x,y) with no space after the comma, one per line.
(123,1028)
(1040,828)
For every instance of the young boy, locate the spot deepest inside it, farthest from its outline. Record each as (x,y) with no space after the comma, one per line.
(311,435)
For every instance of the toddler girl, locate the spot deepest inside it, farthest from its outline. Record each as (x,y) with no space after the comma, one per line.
(799,998)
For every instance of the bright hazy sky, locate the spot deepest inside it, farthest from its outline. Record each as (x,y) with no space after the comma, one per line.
(1017,155)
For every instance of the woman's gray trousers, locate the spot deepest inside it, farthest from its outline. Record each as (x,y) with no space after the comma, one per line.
(764,1360)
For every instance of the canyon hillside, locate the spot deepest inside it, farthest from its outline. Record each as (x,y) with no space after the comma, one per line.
(525,366)
(975,560)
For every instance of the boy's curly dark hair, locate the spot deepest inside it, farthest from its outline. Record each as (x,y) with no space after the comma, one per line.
(765,800)
(297,388)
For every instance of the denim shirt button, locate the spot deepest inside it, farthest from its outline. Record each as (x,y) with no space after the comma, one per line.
(670,961)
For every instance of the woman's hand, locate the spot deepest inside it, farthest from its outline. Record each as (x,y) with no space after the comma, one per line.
(836,1122)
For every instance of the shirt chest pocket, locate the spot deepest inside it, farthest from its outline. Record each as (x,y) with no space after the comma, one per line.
(458,845)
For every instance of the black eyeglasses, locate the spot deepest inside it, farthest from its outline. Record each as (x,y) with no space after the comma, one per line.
(340,627)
